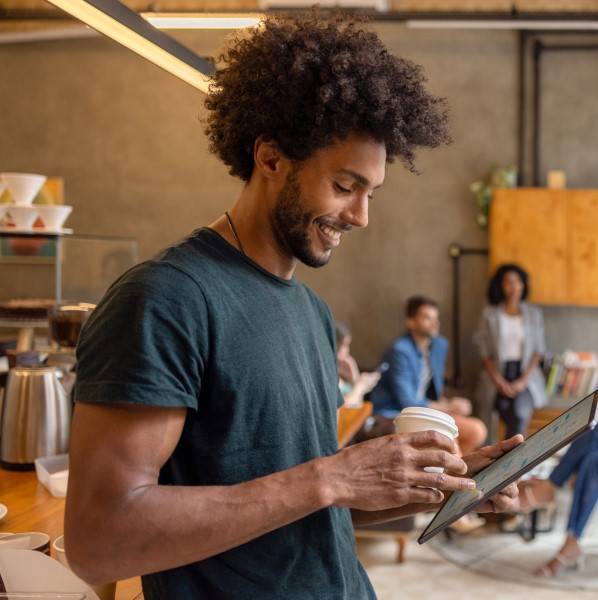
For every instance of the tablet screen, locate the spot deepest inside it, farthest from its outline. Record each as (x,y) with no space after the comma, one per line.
(538,447)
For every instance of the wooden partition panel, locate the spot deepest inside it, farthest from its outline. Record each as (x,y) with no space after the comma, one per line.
(582,260)
(528,226)
(552,234)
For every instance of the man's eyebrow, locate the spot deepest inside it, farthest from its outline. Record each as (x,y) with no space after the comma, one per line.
(359,178)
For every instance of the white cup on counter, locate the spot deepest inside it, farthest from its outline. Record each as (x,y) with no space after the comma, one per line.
(53,216)
(23,187)
(107,591)
(421,418)
(22,216)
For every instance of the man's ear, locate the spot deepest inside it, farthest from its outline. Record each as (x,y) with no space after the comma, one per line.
(269,159)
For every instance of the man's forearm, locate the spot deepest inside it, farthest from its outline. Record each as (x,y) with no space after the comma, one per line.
(157,527)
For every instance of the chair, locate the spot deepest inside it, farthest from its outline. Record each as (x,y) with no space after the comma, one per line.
(400,530)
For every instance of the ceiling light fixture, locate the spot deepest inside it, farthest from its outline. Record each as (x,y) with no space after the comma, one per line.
(545,25)
(202,20)
(116,21)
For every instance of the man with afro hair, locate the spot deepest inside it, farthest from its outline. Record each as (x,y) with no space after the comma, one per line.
(204,454)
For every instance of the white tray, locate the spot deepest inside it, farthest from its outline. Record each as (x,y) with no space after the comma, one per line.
(31,571)
(53,473)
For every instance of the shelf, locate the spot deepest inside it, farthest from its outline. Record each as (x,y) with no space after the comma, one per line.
(18,323)
(34,233)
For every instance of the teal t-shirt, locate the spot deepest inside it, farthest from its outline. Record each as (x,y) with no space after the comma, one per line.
(253,357)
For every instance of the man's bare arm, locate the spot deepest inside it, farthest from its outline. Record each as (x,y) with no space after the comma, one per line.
(120,523)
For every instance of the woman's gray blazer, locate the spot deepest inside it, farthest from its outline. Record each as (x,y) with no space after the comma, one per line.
(486,340)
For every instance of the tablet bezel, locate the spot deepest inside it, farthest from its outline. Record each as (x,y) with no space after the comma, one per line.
(431,530)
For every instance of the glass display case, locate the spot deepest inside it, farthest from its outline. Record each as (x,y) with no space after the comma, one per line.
(53,268)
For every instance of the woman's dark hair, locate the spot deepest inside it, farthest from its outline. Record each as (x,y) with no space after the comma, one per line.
(495,293)
(342,332)
(308,81)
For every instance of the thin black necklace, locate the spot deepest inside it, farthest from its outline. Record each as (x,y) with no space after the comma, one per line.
(234,232)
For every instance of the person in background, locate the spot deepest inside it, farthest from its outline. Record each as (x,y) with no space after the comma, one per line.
(203,451)
(353,383)
(510,341)
(415,374)
(579,462)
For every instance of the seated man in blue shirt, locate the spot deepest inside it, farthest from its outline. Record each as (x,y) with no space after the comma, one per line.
(414,370)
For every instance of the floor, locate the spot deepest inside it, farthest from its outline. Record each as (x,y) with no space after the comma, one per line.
(425,572)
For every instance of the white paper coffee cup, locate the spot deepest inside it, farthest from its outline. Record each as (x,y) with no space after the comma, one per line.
(420,418)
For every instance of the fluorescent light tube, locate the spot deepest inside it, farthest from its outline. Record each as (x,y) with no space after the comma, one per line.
(198,21)
(545,25)
(116,21)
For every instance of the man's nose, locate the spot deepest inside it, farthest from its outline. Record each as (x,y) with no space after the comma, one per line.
(356,212)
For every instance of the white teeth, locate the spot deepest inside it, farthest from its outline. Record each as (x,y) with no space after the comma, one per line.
(331,233)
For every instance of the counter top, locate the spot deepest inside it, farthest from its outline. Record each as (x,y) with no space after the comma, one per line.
(31,507)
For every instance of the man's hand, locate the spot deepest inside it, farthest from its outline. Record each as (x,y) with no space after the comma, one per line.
(388,472)
(476,461)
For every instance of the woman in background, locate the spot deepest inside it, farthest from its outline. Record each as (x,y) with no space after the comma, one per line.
(352,383)
(510,340)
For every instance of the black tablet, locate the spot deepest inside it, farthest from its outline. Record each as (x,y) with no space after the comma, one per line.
(578,419)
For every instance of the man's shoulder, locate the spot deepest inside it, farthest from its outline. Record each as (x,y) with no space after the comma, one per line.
(404,344)
(440,342)
(180,267)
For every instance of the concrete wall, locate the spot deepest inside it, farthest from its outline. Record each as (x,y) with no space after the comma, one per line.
(127,139)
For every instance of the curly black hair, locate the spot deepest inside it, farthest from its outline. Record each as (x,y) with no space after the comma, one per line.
(308,81)
(495,293)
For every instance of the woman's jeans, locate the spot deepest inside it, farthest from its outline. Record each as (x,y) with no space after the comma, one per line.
(581,459)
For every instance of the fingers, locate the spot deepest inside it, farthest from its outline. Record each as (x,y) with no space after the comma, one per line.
(428,439)
(436,450)
(501,502)
(425,495)
(447,482)
(438,458)
(504,446)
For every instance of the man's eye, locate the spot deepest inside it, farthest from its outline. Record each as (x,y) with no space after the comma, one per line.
(339,188)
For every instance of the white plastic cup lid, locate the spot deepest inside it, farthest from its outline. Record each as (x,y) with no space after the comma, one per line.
(435,418)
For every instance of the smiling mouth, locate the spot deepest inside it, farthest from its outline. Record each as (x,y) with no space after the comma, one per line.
(333,234)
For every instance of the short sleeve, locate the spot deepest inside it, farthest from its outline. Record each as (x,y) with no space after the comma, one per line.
(146,342)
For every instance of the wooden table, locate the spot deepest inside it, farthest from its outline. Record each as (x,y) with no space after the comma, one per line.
(350,421)
(31,507)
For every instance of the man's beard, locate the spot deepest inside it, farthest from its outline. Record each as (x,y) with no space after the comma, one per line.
(290,224)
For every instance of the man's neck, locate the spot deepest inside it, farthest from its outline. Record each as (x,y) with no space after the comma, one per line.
(250,221)
(422,341)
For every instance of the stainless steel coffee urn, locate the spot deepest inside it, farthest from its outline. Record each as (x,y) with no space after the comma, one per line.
(36,417)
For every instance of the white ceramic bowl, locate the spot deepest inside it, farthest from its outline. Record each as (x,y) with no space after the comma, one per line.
(32,540)
(53,215)
(22,216)
(23,187)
